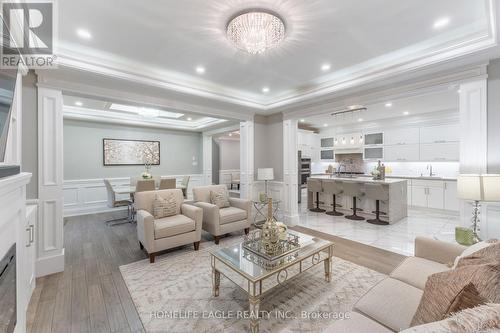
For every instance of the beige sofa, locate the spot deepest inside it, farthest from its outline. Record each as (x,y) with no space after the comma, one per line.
(168,232)
(391,304)
(222,221)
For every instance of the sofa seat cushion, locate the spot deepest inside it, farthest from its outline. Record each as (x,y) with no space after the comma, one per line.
(232,214)
(357,323)
(391,302)
(415,271)
(173,225)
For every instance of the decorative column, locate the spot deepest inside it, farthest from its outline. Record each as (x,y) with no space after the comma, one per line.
(207,159)
(290,172)
(50,251)
(246,159)
(473,140)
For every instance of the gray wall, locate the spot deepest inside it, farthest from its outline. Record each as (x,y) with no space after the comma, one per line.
(268,141)
(215,162)
(494,116)
(229,154)
(30,133)
(83,155)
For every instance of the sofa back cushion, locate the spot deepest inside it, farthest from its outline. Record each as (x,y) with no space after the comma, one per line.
(144,200)
(481,269)
(202,193)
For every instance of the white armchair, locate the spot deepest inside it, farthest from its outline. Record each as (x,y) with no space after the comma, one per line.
(168,232)
(220,221)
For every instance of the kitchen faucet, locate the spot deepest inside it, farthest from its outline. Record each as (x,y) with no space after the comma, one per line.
(429,167)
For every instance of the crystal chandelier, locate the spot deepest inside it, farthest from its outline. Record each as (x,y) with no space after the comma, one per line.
(255,31)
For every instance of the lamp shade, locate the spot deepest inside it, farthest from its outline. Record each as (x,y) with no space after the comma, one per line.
(265,174)
(470,187)
(491,188)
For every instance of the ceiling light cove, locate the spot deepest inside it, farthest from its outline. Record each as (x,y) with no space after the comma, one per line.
(145,112)
(441,23)
(83,33)
(255,30)
(265,90)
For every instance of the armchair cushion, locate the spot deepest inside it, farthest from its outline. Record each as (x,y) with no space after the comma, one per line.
(220,198)
(202,193)
(231,214)
(164,206)
(173,225)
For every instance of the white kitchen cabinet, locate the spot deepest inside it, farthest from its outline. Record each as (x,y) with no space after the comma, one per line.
(402,153)
(403,136)
(428,193)
(440,152)
(408,192)
(435,198)
(440,134)
(373,153)
(373,139)
(348,141)
(451,201)
(419,196)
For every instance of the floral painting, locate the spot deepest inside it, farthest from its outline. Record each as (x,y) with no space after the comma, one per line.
(131,152)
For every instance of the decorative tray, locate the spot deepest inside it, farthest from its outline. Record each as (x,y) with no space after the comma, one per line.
(254,251)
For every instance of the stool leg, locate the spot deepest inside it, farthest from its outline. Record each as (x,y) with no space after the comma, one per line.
(377,219)
(317,209)
(354,216)
(334,211)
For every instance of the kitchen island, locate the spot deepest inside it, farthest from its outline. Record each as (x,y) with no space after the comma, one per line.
(395,209)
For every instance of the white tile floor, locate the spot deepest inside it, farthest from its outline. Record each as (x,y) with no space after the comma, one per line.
(398,237)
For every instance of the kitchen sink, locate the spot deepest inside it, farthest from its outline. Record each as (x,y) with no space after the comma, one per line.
(430,177)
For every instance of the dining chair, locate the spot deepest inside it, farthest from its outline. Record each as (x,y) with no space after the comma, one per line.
(145,185)
(184,185)
(167,183)
(113,203)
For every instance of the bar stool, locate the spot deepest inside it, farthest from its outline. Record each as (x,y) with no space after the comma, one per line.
(379,193)
(353,190)
(314,185)
(333,188)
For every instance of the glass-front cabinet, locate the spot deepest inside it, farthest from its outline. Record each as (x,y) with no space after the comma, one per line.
(326,142)
(327,155)
(373,146)
(374,139)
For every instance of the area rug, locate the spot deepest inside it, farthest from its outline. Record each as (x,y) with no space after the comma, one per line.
(175,295)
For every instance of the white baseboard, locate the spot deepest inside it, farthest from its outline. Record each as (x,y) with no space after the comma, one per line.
(50,265)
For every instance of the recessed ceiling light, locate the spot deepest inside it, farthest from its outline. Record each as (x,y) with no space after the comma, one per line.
(189,118)
(360,119)
(325,125)
(302,120)
(441,23)
(230,134)
(325,67)
(83,33)
(78,103)
(388,104)
(265,90)
(406,113)
(200,70)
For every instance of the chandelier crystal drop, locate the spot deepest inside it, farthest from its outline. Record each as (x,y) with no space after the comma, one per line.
(256,31)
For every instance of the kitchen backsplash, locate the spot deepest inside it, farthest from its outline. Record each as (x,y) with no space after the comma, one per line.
(413,169)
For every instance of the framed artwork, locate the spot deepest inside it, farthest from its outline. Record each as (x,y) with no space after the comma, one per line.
(130,152)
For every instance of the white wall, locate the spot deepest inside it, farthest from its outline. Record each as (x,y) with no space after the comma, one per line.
(494,117)
(83,150)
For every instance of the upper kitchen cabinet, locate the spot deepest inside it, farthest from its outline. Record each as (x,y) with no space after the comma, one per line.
(440,134)
(374,139)
(326,142)
(440,152)
(404,136)
(348,141)
(402,153)
(308,143)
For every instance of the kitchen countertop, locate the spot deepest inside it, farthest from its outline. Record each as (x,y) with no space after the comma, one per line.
(361,179)
(397,177)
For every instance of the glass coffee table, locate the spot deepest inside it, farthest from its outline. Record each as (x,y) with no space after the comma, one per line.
(238,265)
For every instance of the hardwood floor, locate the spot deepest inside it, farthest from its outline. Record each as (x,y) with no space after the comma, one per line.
(91,296)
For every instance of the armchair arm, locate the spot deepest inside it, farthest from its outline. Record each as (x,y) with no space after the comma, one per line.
(435,250)
(194,213)
(242,204)
(146,230)
(211,217)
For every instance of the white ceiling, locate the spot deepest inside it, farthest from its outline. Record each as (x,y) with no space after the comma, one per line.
(169,39)
(89,109)
(445,101)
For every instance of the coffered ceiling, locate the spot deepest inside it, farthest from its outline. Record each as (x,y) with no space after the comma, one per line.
(329,45)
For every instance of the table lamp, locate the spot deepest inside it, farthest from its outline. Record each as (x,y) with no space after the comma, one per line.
(470,187)
(265,174)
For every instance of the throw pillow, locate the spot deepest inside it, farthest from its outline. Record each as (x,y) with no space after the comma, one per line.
(220,198)
(164,207)
(441,289)
(485,255)
(467,298)
(474,248)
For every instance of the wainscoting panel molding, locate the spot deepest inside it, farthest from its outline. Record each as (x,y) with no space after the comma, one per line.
(86,196)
